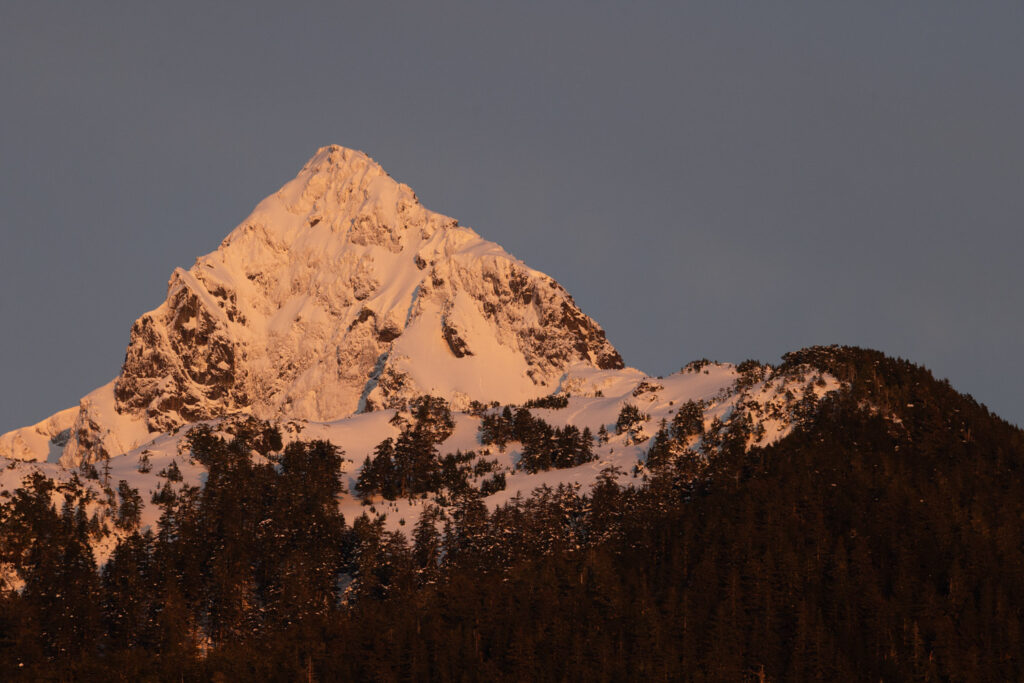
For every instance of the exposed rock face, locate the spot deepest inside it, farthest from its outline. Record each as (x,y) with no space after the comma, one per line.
(340,293)
(180,363)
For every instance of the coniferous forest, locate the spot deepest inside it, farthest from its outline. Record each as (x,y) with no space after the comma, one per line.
(883,539)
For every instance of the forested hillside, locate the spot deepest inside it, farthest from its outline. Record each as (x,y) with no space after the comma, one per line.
(882,539)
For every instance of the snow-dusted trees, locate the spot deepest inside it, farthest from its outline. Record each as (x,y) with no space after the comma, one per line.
(305,537)
(410,465)
(688,420)
(630,421)
(427,544)
(261,544)
(498,428)
(378,472)
(673,439)
(130,508)
(629,417)
(51,555)
(544,446)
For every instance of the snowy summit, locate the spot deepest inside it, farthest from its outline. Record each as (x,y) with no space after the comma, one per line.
(340,293)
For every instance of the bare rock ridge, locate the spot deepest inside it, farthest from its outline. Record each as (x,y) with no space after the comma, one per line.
(339,293)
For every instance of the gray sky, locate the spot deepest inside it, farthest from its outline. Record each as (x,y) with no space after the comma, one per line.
(728,180)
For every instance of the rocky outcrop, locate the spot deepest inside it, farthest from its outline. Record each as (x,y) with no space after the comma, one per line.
(180,365)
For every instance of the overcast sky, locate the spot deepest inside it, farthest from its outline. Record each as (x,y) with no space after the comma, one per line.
(719,180)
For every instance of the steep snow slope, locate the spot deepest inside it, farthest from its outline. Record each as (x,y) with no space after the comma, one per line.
(339,293)
(42,441)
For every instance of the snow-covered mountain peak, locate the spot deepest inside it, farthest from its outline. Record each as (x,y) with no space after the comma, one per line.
(341,192)
(339,293)
(341,180)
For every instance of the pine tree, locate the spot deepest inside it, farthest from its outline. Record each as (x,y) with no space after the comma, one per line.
(130,510)
(427,544)
(129,592)
(688,420)
(367,483)
(660,451)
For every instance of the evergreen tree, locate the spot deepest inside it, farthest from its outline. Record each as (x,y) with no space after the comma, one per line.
(427,544)
(129,593)
(630,421)
(660,451)
(129,511)
(688,420)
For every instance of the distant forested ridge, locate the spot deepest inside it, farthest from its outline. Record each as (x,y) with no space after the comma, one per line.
(882,539)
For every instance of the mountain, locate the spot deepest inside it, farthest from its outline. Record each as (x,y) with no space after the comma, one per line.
(335,306)
(339,294)
(359,442)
